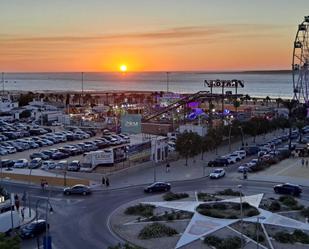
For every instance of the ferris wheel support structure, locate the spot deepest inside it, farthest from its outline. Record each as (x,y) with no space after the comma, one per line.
(300,63)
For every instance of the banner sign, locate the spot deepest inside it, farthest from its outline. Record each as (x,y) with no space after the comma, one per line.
(131,123)
(224,83)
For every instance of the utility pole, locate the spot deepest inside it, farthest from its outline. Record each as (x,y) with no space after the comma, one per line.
(167,81)
(83,86)
(2,80)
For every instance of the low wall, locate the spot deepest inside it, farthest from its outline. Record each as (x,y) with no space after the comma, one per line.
(52,181)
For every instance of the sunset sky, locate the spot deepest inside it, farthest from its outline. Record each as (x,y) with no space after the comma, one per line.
(158,35)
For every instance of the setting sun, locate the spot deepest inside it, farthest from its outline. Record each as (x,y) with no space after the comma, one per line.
(123,68)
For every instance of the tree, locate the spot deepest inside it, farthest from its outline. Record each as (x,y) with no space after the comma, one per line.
(267,100)
(25,114)
(24,99)
(188,144)
(9,242)
(205,142)
(290,105)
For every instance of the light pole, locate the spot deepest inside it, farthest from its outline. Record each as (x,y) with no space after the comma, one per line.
(29,182)
(47,238)
(242,135)
(230,132)
(241,217)
(257,230)
(2,79)
(167,81)
(154,161)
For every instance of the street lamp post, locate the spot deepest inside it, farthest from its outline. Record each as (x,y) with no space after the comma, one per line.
(230,133)
(154,161)
(46,217)
(242,135)
(241,216)
(257,230)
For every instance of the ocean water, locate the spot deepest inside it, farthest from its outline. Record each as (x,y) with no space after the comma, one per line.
(256,84)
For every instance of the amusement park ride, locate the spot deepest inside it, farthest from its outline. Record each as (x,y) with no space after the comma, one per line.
(300,64)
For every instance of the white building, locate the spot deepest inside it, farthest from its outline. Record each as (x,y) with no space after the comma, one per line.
(6,105)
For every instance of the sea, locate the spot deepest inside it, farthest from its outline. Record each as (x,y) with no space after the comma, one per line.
(256,84)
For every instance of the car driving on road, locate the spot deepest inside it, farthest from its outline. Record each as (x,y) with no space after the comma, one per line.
(33,229)
(77,189)
(158,187)
(288,189)
(217,173)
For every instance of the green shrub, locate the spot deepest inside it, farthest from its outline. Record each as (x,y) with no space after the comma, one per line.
(297,236)
(288,200)
(284,237)
(246,205)
(229,192)
(212,240)
(170,196)
(253,212)
(140,209)
(305,212)
(156,230)
(220,206)
(125,246)
(230,243)
(274,206)
(301,237)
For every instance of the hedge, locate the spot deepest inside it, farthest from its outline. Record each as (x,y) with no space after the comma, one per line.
(156,230)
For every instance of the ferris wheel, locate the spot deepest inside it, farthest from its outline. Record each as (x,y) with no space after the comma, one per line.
(300,65)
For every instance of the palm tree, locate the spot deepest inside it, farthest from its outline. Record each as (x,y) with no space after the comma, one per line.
(278,101)
(290,105)
(267,100)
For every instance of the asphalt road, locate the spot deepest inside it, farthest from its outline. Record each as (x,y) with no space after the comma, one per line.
(82,222)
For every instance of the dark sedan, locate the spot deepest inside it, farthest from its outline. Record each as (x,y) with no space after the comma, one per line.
(39,155)
(158,187)
(288,189)
(33,229)
(59,155)
(77,189)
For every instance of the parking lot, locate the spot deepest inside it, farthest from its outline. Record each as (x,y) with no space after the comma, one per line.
(27,142)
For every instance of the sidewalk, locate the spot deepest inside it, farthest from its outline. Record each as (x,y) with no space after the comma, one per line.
(27,218)
(147,173)
(289,170)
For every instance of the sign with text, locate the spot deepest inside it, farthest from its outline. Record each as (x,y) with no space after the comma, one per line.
(131,123)
(224,83)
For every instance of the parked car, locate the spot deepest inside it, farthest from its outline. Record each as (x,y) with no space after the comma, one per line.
(77,189)
(35,163)
(7,163)
(241,153)
(74,166)
(62,165)
(33,229)
(39,155)
(244,168)
(46,165)
(217,173)
(59,155)
(21,163)
(233,158)
(158,187)
(218,162)
(288,188)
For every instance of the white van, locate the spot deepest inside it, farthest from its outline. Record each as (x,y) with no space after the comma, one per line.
(6,221)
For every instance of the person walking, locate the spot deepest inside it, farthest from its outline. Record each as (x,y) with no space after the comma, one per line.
(302,162)
(22,211)
(307,163)
(107,182)
(168,168)
(103,180)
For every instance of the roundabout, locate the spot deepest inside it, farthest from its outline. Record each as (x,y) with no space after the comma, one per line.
(227,216)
